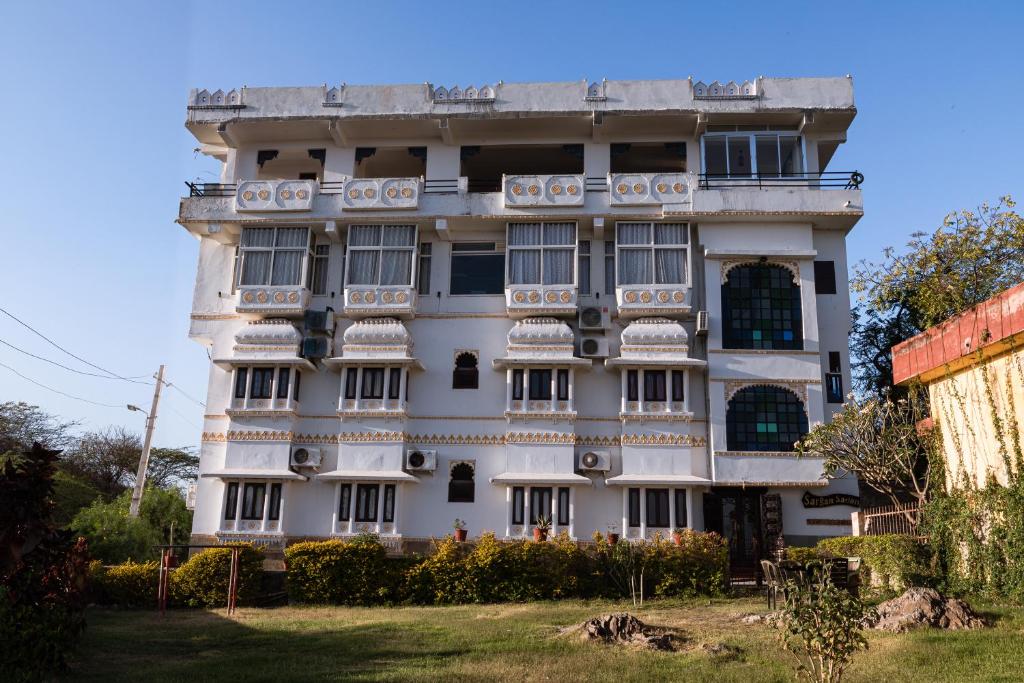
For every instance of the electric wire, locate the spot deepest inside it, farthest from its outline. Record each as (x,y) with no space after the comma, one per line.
(61,365)
(58,391)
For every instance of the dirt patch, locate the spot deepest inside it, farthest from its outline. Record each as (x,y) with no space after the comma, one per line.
(625,629)
(925,607)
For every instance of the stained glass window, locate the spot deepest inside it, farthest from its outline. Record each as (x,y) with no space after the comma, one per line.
(764,418)
(761,309)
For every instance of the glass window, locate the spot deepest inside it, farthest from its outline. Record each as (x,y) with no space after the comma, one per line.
(262,382)
(231,500)
(609,266)
(540,384)
(563,506)
(273,256)
(298,381)
(344,502)
(632,386)
(657,508)
(274,513)
(681,522)
(761,309)
(351,379)
(729,156)
(833,387)
(714,156)
(584,267)
(394,383)
(389,504)
(540,503)
(678,385)
(541,253)
(652,253)
(461,486)
(739,156)
(366,502)
(381,254)
(252,501)
(517,385)
(634,507)
(764,418)
(241,380)
(654,385)
(824,277)
(518,500)
(466,375)
(477,268)
(426,250)
(282,382)
(318,276)
(563,385)
(373,383)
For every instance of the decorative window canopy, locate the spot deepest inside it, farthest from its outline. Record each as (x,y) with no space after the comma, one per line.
(273,341)
(376,340)
(545,341)
(654,341)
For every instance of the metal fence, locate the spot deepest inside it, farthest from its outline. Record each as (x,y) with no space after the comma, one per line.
(903,520)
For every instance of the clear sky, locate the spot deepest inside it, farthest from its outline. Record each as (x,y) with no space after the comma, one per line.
(96,154)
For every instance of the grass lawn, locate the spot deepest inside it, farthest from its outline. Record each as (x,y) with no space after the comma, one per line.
(504,642)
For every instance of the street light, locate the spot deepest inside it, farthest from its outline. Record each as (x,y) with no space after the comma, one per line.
(136,409)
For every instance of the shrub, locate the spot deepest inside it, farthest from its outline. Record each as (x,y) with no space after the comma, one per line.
(132,584)
(356,572)
(114,537)
(892,562)
(440,578)
(802,554)
(202,581)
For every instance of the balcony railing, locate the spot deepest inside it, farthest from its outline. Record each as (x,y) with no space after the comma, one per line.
(636,189)
(543,190)
(289,300)
(527,300)
(369,194)
(243,406)
(367,301)
(843,180)
(211,189)
(639,300)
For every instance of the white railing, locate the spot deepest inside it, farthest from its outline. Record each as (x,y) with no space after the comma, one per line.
(275,195)
(543,190)
(376,194)
(279,300)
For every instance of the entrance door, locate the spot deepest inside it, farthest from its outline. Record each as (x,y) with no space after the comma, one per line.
(736,515)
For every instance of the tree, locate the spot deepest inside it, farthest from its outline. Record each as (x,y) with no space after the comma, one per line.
(872,336)
(22,425)
(879,440)
(116,537)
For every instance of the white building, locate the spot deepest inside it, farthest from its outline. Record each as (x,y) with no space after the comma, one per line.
(614,304)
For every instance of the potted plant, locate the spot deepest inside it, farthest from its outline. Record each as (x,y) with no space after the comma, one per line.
(460,530)
(540,531)
(677,535)
(613,535)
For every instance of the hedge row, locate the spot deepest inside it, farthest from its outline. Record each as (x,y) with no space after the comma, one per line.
(358,572)
(889,562)
(202,581)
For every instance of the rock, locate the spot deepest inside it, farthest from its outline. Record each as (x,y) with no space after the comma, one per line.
(625,629)
(719,650)
(925,607)
(754,618)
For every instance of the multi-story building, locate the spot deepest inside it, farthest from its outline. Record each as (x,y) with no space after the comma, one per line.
(614,304)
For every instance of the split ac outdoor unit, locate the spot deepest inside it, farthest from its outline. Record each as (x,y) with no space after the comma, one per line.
(318,322)
(702,322)
(316,347)
(306,457)
(420,461)
(596,461)
(594,347)
(595,318)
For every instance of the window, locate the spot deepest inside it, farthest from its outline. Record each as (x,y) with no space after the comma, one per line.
(517,385)
(282,382)
(389,504)
(583,267)
(517,504)
(423,286)
(541,253)
(381,254)
(563,506)
(761,309)
(274,513)
(654,385)
(394,383)
(609,266)
(273,256)
(834,378)
(477,268)
(344,502)
(824,277)
(563,385)
(764,418)
(241,379)
(652,253)
(298,381)
(373,383)
(231,500)
(262,381)
(252,501)
(461,487)
(657,508)
(318,274)
(465,375)
(737,155)
(351,379)
(366,502)
(540,384)
(632,386)
(634,507)
(540,503)
(681,520)
(678,386)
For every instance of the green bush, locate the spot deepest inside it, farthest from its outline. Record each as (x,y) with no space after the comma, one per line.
(202,581)
(357,572)
(132,584)
(802,554)
(115,537)
(892,562)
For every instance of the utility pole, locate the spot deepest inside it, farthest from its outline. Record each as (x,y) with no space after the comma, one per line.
(140,477)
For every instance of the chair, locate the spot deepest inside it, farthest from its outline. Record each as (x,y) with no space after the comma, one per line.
(775,582)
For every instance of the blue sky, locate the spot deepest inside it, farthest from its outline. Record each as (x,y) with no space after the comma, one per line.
(96,151)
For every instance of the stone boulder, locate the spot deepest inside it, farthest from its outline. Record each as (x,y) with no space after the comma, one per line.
(925,607)
(625,629)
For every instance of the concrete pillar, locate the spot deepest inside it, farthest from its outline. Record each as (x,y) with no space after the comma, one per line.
(625,512)
(572,512)
(337,506)
(671,509)
(526,509)
(508,512)
(394,513)
(352,507)
(359,387)
(280,512)
(643,513)
(380,509)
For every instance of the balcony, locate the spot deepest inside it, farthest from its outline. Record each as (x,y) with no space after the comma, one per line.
(644,300)
(521,191)
(379,194)
(275,195)
(645,189)
(522,301)
(287,300)
(372,301)
(825,180)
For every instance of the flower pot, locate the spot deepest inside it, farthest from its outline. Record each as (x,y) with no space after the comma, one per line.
(677,538)
(540,534)
(460,535)
(612,538)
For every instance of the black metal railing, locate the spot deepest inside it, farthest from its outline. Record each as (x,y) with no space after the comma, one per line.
(441,186)
(332,187)
(845,180)
(211,189)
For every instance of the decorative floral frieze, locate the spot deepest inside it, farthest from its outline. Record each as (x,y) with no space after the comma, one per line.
(609,441)
(540,438)
(663,440)
(799,388)
(639,189)
(367,194)
(456,439)
(731,90)
(766,454)
(543,190)
(537,299)
(792,266)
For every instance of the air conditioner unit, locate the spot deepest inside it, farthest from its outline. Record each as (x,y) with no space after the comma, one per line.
(595,318)
(596,461)
(420,461)
(318,322)
(702,322)
(594,347)
(316,347)
(306,457)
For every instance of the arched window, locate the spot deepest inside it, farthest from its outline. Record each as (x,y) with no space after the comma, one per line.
(466,375)
(761,309)
(764,418)
(461,485)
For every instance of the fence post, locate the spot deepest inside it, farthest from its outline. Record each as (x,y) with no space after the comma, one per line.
(856,520)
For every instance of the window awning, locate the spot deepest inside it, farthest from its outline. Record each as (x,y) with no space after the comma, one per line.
(367,475)
(251,473)
(655,480)
(541,478)
(228,363)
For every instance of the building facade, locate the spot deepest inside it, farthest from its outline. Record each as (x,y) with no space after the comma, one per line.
(613,305)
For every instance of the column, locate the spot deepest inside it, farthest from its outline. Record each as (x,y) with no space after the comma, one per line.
(622,374)
(266,505)
(337,505)
(625,512)
(280,512)
(572,512)
(643,513)
(380,509)
(554,389)
(554,511)
(686,402)
(387,385)
(508,391)
(640,389)
(238,506)
(508,508)
(690,495)
(572,391)
(359,387)
(352,507)
(273,386)
(401,403)
(671,510)
(394,514)
(526,509)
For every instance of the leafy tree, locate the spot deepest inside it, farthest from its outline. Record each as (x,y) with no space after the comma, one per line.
(115,537)
(70,494)
(22,425)
(872,336)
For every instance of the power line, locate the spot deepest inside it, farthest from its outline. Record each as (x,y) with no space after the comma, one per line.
(60,365)
(55,344)
(58,391)
(180,391)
